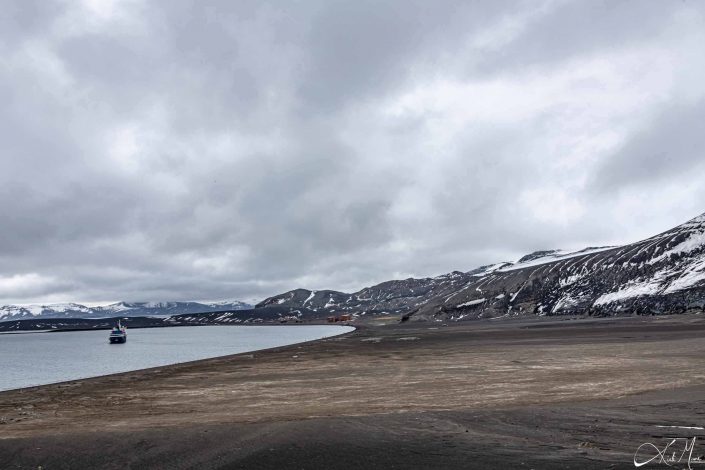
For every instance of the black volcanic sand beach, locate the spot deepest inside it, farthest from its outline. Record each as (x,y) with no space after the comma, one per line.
(539,393)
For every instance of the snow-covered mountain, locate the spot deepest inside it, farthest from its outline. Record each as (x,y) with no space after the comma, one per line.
(68,310)
(663,274)
(127,309)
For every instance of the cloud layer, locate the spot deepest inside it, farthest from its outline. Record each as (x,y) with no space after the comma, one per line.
(190,150)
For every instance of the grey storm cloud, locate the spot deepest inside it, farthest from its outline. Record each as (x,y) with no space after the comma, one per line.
(214,150)
(669,145)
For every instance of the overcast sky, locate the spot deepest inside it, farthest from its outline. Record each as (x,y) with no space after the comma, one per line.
(206,150)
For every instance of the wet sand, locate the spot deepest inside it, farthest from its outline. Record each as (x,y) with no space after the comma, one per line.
(516,394)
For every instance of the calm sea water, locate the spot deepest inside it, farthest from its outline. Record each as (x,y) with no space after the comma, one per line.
(43,358)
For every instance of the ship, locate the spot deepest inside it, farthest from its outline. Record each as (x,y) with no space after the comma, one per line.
(118,334)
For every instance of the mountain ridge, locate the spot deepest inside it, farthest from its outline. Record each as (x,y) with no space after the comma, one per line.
(131,309)
(661,274)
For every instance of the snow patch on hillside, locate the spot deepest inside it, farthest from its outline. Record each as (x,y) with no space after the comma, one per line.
(566,301)
(471,303)
(689,278)
(311,296)
(631,290)
(558,255)
(693,242)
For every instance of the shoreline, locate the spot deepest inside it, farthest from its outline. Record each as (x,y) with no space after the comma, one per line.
(176,364)
(380,396)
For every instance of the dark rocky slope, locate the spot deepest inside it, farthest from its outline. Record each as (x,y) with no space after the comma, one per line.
(661,275)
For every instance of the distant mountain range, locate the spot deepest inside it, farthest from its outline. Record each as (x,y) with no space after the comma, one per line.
(229,317)
(660,275)
(124,309)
